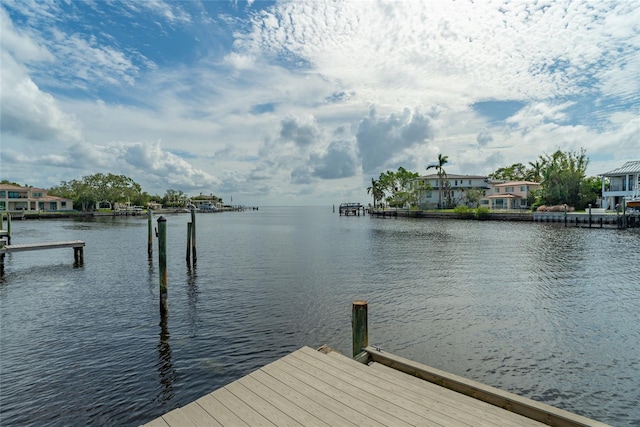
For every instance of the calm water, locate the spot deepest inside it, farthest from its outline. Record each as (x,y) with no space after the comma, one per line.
(537,309)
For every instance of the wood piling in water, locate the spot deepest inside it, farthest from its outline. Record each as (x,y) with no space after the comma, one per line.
(162,262)
(193,236)
(150,228)
(359,326)
(189,231)
(5,233)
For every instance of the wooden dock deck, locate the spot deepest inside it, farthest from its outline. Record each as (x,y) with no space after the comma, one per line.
(77,245)
(313,388)
(40,246)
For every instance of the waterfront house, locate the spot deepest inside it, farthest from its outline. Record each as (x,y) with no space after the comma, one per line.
(15,198)
(454,189)
(624,184)
(509,195)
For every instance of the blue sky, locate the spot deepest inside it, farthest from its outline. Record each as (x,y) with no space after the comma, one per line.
(302,103)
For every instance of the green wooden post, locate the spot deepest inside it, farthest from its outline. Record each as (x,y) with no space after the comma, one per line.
(150,229)
(162,261)
(8,228)
(359,326)
(590,215)
(189,228)
(193,236)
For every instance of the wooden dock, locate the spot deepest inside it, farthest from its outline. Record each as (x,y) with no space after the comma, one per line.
(314,388)
(348,209)
(77,245)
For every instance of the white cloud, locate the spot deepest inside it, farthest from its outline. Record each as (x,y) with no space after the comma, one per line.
(313,98)
(26,110)
(379,139)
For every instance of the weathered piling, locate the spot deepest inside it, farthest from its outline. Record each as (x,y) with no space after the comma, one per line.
(162,261)
(189,228)
(78,256)
(193,236)
(150,227)
(6,232)
(359,326)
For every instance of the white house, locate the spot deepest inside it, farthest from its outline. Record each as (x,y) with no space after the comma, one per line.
(454,189)
(624,183)
(509,195)
(16,198)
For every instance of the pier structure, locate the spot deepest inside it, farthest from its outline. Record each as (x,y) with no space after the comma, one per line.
(376,388)
(351,209)
(77,245)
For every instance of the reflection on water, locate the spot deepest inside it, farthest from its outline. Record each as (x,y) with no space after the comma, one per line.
(192,296)
(542,310)
(168,374)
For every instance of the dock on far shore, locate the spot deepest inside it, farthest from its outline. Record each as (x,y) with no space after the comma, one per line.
(77,245)
(313,388)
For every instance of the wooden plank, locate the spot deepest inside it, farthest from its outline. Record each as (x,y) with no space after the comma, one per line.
(219,412)
(40,246)
(158,422)
(177,418)
(240,408)
(273,395)
(324,395)
(288,388)
(390,397)
(198,416)
(434,397)
(352,396)
(459,403)
(527,407)
(260,405)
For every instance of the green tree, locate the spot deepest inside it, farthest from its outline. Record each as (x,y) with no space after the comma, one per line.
(473,196)
(174,198)
(562,176)
(534,173)
(442,175)
(399,186)
(376,191)
(590,192)
(100,187)
(515,172)
(80,192)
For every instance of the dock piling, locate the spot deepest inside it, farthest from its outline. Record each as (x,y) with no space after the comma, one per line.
(150,233)
(359,326)
(162,261)
(78,256)
(189,232)
(193,236)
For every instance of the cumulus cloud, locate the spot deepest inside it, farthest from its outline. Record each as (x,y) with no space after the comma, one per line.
(381,138)
(28,111)
(339,161)
(217,106)
(484,137)
(302,131)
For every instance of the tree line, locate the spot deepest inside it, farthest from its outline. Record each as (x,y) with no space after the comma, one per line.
(562,176)
(91,190)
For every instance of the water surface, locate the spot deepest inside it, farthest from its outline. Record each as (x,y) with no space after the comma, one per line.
(541,310)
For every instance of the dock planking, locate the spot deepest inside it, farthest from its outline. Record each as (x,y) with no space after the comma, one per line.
(77,245)
(41,246)
(311,388)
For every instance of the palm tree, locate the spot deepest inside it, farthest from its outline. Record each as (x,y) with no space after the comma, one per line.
(442,175)
(535,173)
(376,191)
